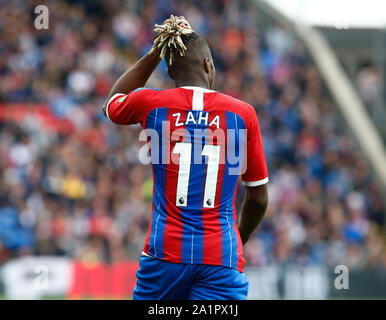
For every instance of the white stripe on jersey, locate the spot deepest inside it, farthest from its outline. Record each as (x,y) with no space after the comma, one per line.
(198,100)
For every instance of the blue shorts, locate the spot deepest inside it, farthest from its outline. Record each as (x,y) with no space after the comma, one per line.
(158,279)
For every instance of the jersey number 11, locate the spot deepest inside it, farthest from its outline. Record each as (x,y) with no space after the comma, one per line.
(184,149)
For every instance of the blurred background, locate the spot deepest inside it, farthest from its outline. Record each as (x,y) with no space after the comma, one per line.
(75,201)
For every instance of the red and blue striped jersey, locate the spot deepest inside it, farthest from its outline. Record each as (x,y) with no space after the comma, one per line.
(200,141)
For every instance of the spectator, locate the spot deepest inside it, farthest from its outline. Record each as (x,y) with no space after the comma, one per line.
(71,183)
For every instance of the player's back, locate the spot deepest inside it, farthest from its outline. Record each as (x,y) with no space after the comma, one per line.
(200,141)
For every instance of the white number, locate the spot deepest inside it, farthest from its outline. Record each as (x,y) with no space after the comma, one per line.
(185,151)
(213,154)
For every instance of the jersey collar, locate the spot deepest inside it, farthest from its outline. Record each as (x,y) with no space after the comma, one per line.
(197,88)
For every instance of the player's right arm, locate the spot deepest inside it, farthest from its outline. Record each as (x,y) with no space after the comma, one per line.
(255,180)
(135,77)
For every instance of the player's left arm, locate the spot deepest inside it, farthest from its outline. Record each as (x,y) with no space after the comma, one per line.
(255,180)
(135,77)
(253,210)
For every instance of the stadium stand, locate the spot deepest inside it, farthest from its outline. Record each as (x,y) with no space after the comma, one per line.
(71,183)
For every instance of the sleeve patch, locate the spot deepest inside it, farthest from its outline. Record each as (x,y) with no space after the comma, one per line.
(123,98)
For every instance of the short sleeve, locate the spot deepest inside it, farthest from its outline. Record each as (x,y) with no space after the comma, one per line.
(129,108)
(256,172)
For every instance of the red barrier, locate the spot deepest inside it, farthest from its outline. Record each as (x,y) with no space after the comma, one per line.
(50,122)
(17,112)
(102,281)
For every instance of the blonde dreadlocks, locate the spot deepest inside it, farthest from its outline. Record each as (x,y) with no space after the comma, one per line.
(170,33)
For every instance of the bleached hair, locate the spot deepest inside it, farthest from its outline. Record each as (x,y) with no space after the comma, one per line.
(169,34)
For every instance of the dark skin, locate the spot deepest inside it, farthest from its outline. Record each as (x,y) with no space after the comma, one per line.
(199,73)
(204,79)
(135,77)
(253,210)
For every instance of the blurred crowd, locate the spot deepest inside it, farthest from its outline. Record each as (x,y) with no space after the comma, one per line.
(79,189)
